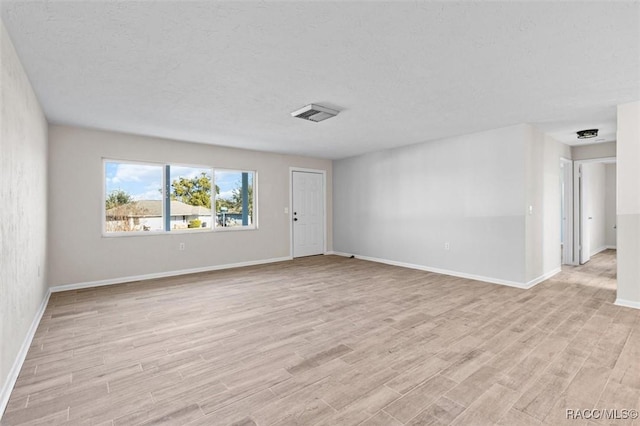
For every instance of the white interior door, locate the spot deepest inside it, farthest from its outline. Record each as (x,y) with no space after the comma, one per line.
(585,220)
(308,213)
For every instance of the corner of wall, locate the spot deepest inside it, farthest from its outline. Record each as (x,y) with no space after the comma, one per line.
(23,265)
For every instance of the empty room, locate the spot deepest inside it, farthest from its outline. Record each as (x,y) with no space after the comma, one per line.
(319,213)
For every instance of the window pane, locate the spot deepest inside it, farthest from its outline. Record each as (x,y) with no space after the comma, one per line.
(133,200)
(190,198)
(234,198)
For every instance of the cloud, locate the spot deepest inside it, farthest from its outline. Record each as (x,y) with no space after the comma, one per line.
(228,180)
(127,172)
(225,195)
(149,195)
(188,172)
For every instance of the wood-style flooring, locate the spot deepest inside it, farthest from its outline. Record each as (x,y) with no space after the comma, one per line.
(332,341)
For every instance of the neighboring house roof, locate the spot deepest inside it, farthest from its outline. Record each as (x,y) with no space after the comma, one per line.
(153,208)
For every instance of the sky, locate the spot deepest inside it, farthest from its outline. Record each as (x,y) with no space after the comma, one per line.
(144,181)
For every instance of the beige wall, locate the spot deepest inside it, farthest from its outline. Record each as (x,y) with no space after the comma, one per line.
(628,180)
(594,180)
(543,228)
(23,171)
(610,205)
(565,151)
(79,253)
(596,150)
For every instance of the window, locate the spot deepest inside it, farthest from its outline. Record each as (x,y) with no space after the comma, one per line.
(133,197)
(190,198)
(143,198)
(234,198)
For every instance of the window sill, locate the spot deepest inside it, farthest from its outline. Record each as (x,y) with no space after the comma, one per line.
(178,232)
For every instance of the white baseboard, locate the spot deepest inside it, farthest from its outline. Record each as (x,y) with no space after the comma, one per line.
(456,273)
(8,385)
(339,253)
(601,249)
(544,277)
(627,303)
(598,250)
(120,280)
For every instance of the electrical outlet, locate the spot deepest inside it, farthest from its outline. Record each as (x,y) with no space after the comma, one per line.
(446,245)
(181,246)
(286,210)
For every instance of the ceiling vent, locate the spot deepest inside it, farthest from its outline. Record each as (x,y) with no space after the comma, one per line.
(315,113)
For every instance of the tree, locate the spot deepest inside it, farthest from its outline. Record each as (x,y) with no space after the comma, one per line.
(195,191)
(223,202)
(236,198)
(123,212)
(116,198)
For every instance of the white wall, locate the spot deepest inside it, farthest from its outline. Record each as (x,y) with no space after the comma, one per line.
(542,188)
(80,254)
(628,180)
(610,205)
(23,207)
(403,204)
(551,208)
(594,192)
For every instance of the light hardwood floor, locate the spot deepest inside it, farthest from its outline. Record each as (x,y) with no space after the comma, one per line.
(332,341)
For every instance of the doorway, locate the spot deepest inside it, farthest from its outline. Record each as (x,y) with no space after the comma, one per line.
(307,212)
(595,200)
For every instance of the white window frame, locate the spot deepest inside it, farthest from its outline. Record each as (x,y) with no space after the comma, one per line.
(254,224)
(165,187)
(104,198)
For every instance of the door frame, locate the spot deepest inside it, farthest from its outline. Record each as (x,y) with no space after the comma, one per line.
(577,203)
(567,208)
(324,205)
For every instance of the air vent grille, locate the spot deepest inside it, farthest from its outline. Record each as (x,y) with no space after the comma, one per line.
(307,115)
(315,113)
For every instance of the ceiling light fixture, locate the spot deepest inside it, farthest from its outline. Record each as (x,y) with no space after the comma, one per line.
(315,113)
(587,134)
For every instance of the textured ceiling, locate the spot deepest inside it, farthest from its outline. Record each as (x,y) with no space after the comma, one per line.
(229,73)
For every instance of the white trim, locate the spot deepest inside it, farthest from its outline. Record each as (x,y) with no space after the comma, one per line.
(607,160)
(544,277)
(577,203)
(324,204)
(456,273)
(214,214)
(577,213)
(165,186)
(120,280)
(339,253)
(598,250)
(568,198)
(611,247)
(8,385)
(627,303)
